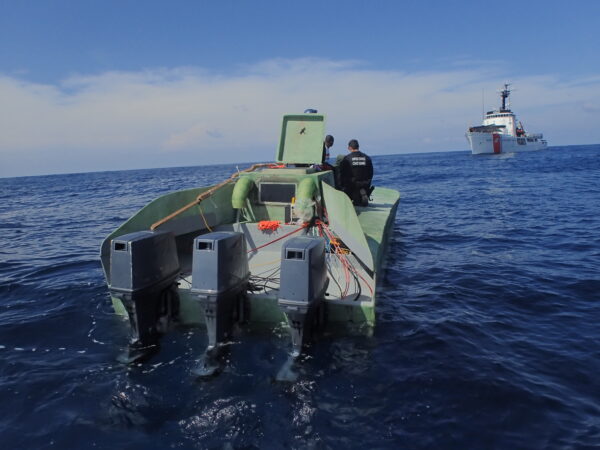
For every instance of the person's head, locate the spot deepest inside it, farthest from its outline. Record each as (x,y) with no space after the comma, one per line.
(353,145)
(327,143)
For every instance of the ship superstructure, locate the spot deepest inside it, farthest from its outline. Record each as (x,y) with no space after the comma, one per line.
(501,132)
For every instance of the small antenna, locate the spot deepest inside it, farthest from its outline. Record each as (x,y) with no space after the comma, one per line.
(482,104)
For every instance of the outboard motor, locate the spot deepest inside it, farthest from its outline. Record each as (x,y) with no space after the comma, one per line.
(303,282)
(220,276)
(143,269)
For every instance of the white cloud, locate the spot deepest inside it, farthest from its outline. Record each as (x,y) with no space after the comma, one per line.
(189,116)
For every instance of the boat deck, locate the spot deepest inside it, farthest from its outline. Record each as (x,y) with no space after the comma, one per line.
(356,306)
(374,220)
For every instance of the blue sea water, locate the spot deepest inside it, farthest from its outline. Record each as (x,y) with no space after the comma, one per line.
(488,332)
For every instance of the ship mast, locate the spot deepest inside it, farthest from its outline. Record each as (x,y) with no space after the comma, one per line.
(504,93)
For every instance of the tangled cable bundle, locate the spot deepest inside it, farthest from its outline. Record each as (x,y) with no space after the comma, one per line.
(342,252)
(335,247)
(264,282)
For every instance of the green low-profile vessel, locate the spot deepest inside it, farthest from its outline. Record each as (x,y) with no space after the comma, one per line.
(274,244)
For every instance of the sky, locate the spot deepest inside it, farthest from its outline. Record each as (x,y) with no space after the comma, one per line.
(113,85)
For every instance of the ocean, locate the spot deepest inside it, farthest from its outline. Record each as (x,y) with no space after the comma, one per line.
(487,333)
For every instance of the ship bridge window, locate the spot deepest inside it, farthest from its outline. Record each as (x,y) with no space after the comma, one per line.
(276,192)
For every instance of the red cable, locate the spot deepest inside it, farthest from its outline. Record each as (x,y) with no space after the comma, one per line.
(342,257)
(347,265)
(278,239)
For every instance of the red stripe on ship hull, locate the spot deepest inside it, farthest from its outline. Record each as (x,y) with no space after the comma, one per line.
(497,143)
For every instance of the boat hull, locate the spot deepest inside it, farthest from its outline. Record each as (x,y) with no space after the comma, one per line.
(492,143)
(375,221)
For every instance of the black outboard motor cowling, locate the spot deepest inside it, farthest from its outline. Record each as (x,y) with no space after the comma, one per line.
(143,269)
(303,282)
(220,277)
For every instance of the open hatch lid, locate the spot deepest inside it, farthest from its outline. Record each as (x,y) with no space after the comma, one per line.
(344,222)
(301,140)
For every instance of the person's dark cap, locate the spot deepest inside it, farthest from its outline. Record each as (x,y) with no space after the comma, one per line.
(353,144)
(329,140)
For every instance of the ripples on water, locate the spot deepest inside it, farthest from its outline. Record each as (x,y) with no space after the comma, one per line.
(487,332)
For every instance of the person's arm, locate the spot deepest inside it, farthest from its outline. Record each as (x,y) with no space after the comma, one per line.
(344,173)
(369,168)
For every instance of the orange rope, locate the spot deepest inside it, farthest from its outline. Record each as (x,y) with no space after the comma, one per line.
(207,194)
(204,219)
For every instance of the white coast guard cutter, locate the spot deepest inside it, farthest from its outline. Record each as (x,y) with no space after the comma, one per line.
(502,133)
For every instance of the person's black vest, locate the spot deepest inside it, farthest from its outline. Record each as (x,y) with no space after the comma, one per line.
(356,173)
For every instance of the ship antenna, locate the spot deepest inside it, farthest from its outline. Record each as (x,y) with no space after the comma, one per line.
(504,94)
(482,104)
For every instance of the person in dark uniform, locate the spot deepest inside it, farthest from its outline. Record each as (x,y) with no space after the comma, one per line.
(327,144)
(325,164)
(355,175)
